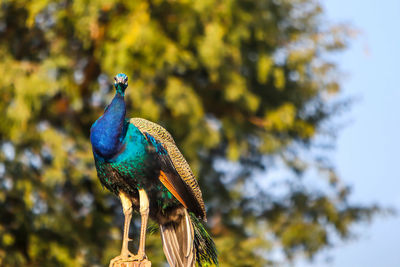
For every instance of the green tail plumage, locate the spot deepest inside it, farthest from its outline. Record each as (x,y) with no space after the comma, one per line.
(206,251)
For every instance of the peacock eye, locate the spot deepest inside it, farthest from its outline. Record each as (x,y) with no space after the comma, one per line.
(115,78)
(126,79)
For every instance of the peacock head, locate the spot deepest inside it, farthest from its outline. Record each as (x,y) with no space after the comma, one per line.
(121,82)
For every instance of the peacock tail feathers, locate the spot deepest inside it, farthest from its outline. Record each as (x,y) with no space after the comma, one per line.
(206,251)
(204,247)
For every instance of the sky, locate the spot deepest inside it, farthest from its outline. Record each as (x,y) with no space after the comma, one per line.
(367,152)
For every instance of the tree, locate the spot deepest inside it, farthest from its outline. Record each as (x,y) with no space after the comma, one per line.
(243,84)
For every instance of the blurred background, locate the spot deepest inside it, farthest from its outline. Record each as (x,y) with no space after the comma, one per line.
(285,109)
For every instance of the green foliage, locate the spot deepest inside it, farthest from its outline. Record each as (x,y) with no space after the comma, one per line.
(244,83)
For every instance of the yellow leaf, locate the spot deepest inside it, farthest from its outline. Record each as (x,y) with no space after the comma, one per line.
(279,78)
(282,118)
(35,7)
(263,68)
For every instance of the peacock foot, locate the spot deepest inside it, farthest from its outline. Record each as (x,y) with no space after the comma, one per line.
(130,260)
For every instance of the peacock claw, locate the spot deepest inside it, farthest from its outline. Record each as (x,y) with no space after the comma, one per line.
(127,258)
(142,257)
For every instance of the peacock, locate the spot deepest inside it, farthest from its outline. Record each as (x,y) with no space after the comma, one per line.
(138,161)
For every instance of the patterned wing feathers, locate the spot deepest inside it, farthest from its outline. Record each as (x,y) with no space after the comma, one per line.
(179,162)
(154,129)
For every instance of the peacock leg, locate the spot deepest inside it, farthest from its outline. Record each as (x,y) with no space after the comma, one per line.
(144,213)
(125,255)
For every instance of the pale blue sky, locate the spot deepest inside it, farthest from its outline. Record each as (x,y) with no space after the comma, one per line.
(367,155)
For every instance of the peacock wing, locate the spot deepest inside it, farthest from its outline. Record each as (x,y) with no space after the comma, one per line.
(175,174)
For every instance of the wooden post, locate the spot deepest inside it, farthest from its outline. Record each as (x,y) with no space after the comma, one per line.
(142,263)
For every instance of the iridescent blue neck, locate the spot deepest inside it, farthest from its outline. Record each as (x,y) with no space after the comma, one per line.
(108,131)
